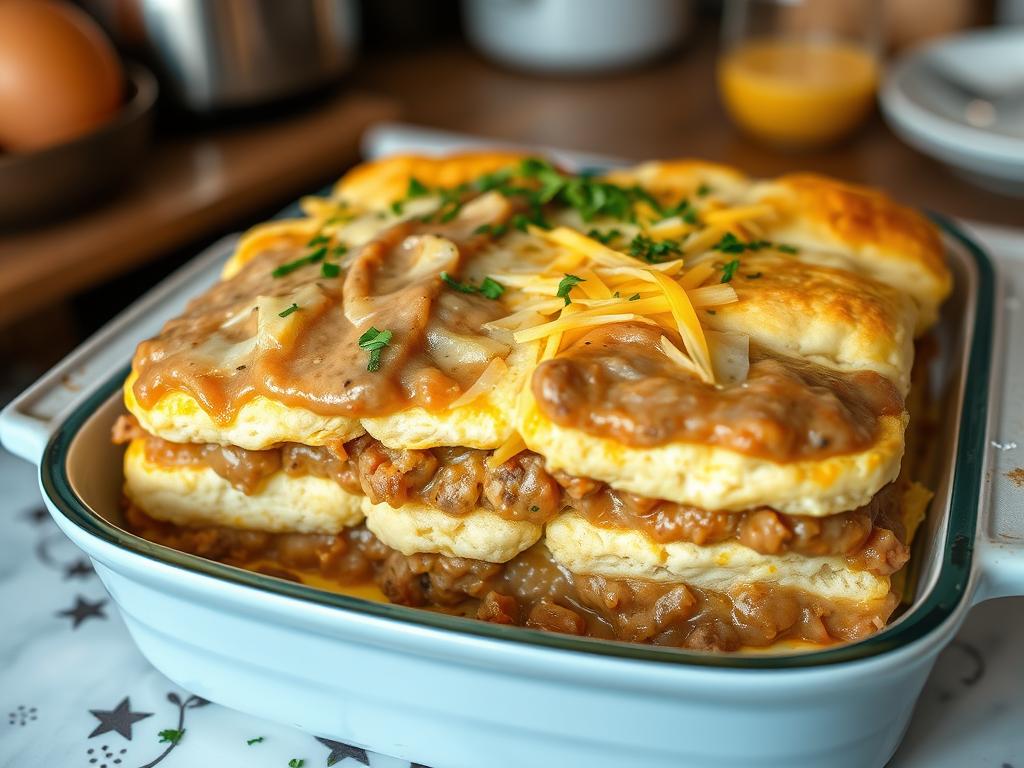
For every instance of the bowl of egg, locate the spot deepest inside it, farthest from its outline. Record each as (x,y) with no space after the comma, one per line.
(74,120)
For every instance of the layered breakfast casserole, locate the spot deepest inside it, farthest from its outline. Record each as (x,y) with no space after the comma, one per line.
(665,404)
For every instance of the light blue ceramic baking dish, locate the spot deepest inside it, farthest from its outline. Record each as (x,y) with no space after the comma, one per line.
(452,692)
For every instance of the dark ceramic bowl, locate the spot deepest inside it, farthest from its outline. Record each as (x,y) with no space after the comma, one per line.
(54,182)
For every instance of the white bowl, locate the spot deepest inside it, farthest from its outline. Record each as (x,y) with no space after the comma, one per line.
(932,118)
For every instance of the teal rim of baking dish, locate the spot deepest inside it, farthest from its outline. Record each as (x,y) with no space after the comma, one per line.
(942,600)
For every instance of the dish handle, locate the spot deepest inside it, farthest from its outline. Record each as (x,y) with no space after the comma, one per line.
(999,547)
(29,421)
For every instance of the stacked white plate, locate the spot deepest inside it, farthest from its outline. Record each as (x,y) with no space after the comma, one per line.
(961,100)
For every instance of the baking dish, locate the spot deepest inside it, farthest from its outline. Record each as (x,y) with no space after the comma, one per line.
(447,691)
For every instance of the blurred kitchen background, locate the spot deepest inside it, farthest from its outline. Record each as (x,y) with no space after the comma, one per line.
(135,132)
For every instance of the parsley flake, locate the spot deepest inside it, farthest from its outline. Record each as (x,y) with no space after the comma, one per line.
(327,269)
(754,276)
(415,189)
(296,762)
(729,270)
(729,244)
(311,258)
(787,249)
(171,735)
(703,190)
(604,237)
(565,285)
(293,308)
(652,251)
(257,740)
(373,341)
(489,287)
(494,230)
(535,508)
(634,297)
(318,239)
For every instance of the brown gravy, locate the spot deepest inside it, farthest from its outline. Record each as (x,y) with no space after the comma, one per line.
(458,480)
(533,591)
(614,382)
(222,352)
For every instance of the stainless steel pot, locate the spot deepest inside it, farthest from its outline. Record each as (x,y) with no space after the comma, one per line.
(225,54)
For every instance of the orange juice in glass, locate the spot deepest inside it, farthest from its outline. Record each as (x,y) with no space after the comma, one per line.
(800,73)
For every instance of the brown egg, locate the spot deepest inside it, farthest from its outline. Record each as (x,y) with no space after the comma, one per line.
(59,74)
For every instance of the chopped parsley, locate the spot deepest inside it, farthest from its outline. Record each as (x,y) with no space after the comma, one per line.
(415,189)
(489,287)
(787,249)
(590,197)
(652,251)
(328,269)
(296,762)
(729,270)
(729,244)
(494,230)
(535,508)
(318,239)
(171,735)
(257,740)
(634,297)
(373,341)
(339,250)
(293,308)
(311,258)
(703,190)
(604,237)
(565,285)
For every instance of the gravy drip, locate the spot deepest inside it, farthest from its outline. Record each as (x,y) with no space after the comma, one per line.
(231,344)
(614,382)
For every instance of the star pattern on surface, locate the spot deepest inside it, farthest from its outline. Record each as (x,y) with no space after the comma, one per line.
(119,719)
(83,610)
(340,750)
(37,516)
(79,569)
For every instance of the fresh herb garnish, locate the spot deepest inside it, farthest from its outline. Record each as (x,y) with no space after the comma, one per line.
(604,237)
(494,230)
(729,270)
(296,762)
(588,196)
(171,735)
(339,250)
(257,740)
(754,276)
(535,508)
(291,266)
(787,249)
(318,239)
(373,341)
(415,189)
(489,287)
(329,269)
(634,297)
(652,251)
(703,190)
(565,285)
(729,244)
(293,308)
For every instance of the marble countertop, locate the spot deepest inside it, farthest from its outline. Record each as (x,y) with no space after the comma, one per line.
(75,692)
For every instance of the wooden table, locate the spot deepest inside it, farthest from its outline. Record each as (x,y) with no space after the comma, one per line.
(195,184)
(199,184)
(668,109)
